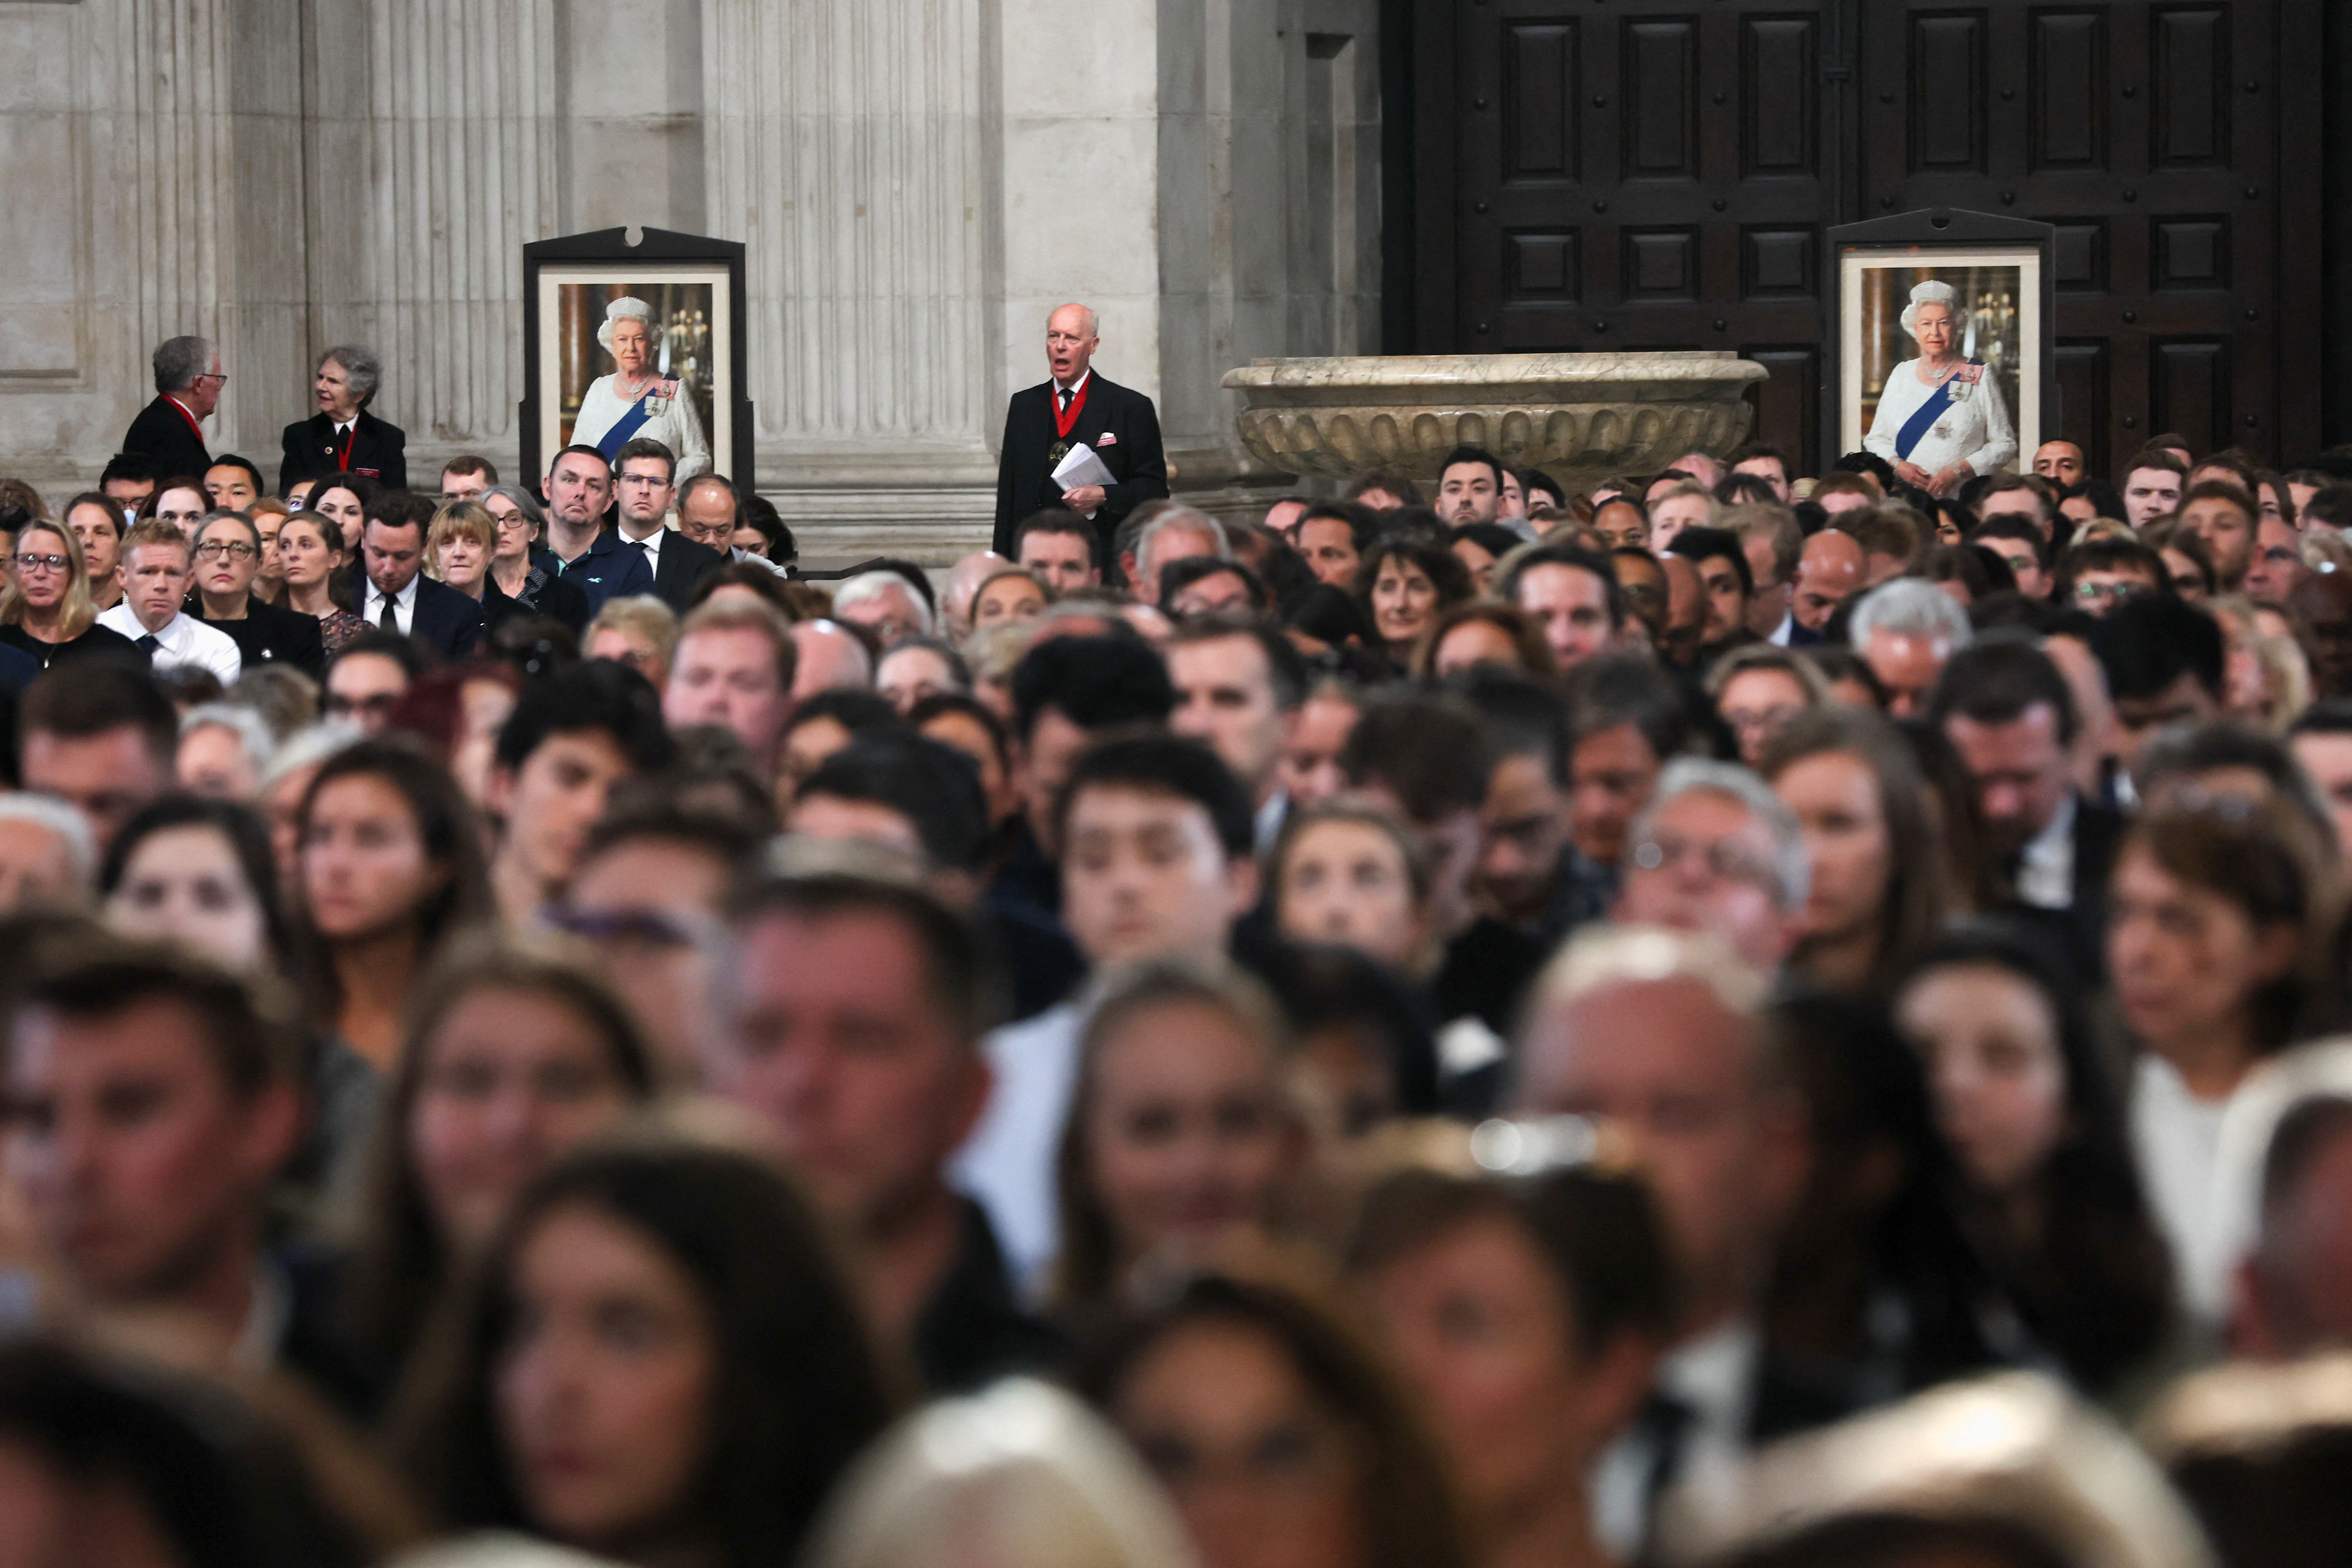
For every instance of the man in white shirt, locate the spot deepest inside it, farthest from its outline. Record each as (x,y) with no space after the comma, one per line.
(643,480)
(2008,710)
(395,595)
(158,569)
(1157,836)
(1659,1032)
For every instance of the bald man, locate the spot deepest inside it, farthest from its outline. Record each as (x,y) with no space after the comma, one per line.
(1076,406)
(1828,572)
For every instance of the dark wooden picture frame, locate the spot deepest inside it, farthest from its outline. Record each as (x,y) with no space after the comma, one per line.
(1928,235)
(610,250)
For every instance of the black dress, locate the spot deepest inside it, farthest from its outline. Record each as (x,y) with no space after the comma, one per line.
(98,639)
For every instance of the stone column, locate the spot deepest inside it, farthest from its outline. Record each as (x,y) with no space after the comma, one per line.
(850,147)
(432,155)
(123,147)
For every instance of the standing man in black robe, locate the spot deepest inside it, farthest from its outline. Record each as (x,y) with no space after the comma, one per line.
(169,432)
(1042,423)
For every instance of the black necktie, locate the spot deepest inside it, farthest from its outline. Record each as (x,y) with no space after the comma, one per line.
(149,644)
(390,619)
(1065,398)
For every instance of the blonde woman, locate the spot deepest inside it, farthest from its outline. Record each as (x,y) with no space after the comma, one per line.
(457,548)
(46,609)
(638,631)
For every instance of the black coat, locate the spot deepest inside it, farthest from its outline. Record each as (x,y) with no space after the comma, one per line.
(1024,484)
(2077,935)
(443,620)
(683,562)
(269,635)
(379,452)
(162,435)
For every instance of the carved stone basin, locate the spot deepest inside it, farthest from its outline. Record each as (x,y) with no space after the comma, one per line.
(1573,415)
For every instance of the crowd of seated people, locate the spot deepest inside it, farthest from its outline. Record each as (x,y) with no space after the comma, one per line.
(1717,1015)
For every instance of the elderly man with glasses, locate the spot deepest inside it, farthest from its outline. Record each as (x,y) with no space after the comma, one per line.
(169,432)
(342,436)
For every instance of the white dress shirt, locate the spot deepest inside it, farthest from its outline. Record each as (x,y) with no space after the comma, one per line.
(1780,638)
(2045,867)
(181,641)
(651,544)
(403,607)
(1007,1163)
(1713,1378)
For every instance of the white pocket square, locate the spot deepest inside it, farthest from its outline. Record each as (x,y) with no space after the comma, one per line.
(1106,439)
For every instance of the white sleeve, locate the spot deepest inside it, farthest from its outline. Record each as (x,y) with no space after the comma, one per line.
(1999,448)
(598,409)
(693,447)
(1886,423)
(223,657)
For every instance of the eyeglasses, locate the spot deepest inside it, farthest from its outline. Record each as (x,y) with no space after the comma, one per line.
(654,481)
(42,562)
(514,522)
(220,377)
(239,550)
(2116,593)
(1722,859)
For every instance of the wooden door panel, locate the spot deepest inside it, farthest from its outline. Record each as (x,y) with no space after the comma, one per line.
(1652,174)
(2068,69)
(2145,130)
(1636,174)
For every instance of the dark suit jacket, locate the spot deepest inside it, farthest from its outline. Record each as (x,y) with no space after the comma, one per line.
(1024,485)
(379,452)
(683,563)
(2077,935)
(269,635)
(543,594)
(443,620)
(161,436)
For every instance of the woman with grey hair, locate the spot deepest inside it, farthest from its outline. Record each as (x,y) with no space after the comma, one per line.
(523,577)
(1940,419)
(343,438)
(640,399)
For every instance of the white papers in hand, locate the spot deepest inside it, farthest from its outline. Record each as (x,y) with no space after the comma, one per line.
(1082,468)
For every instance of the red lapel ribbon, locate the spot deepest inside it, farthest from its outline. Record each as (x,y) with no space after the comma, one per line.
(344,459)
(1066,420)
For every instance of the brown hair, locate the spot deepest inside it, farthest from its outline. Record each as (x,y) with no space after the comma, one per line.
(1599,1233)
(401,1263)
(2266,858)
(1408,1515)
(1912,908)
(1535,655)
(1086,1276)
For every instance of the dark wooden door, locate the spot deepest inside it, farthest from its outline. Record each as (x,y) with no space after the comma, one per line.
(1641,174)
(1602,174)
(2161,140)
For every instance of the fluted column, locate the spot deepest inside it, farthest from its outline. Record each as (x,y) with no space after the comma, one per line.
(850,148)
(433,156)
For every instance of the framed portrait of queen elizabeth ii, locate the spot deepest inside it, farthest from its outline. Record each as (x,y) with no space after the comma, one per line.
(1944,359)
(626,341)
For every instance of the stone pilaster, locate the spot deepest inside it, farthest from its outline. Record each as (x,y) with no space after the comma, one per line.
(850,148)
(432,156)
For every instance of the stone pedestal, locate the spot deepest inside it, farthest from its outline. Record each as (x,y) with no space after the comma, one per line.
(1576,417)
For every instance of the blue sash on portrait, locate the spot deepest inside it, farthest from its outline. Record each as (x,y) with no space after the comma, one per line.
(1923,418)
(611,442)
